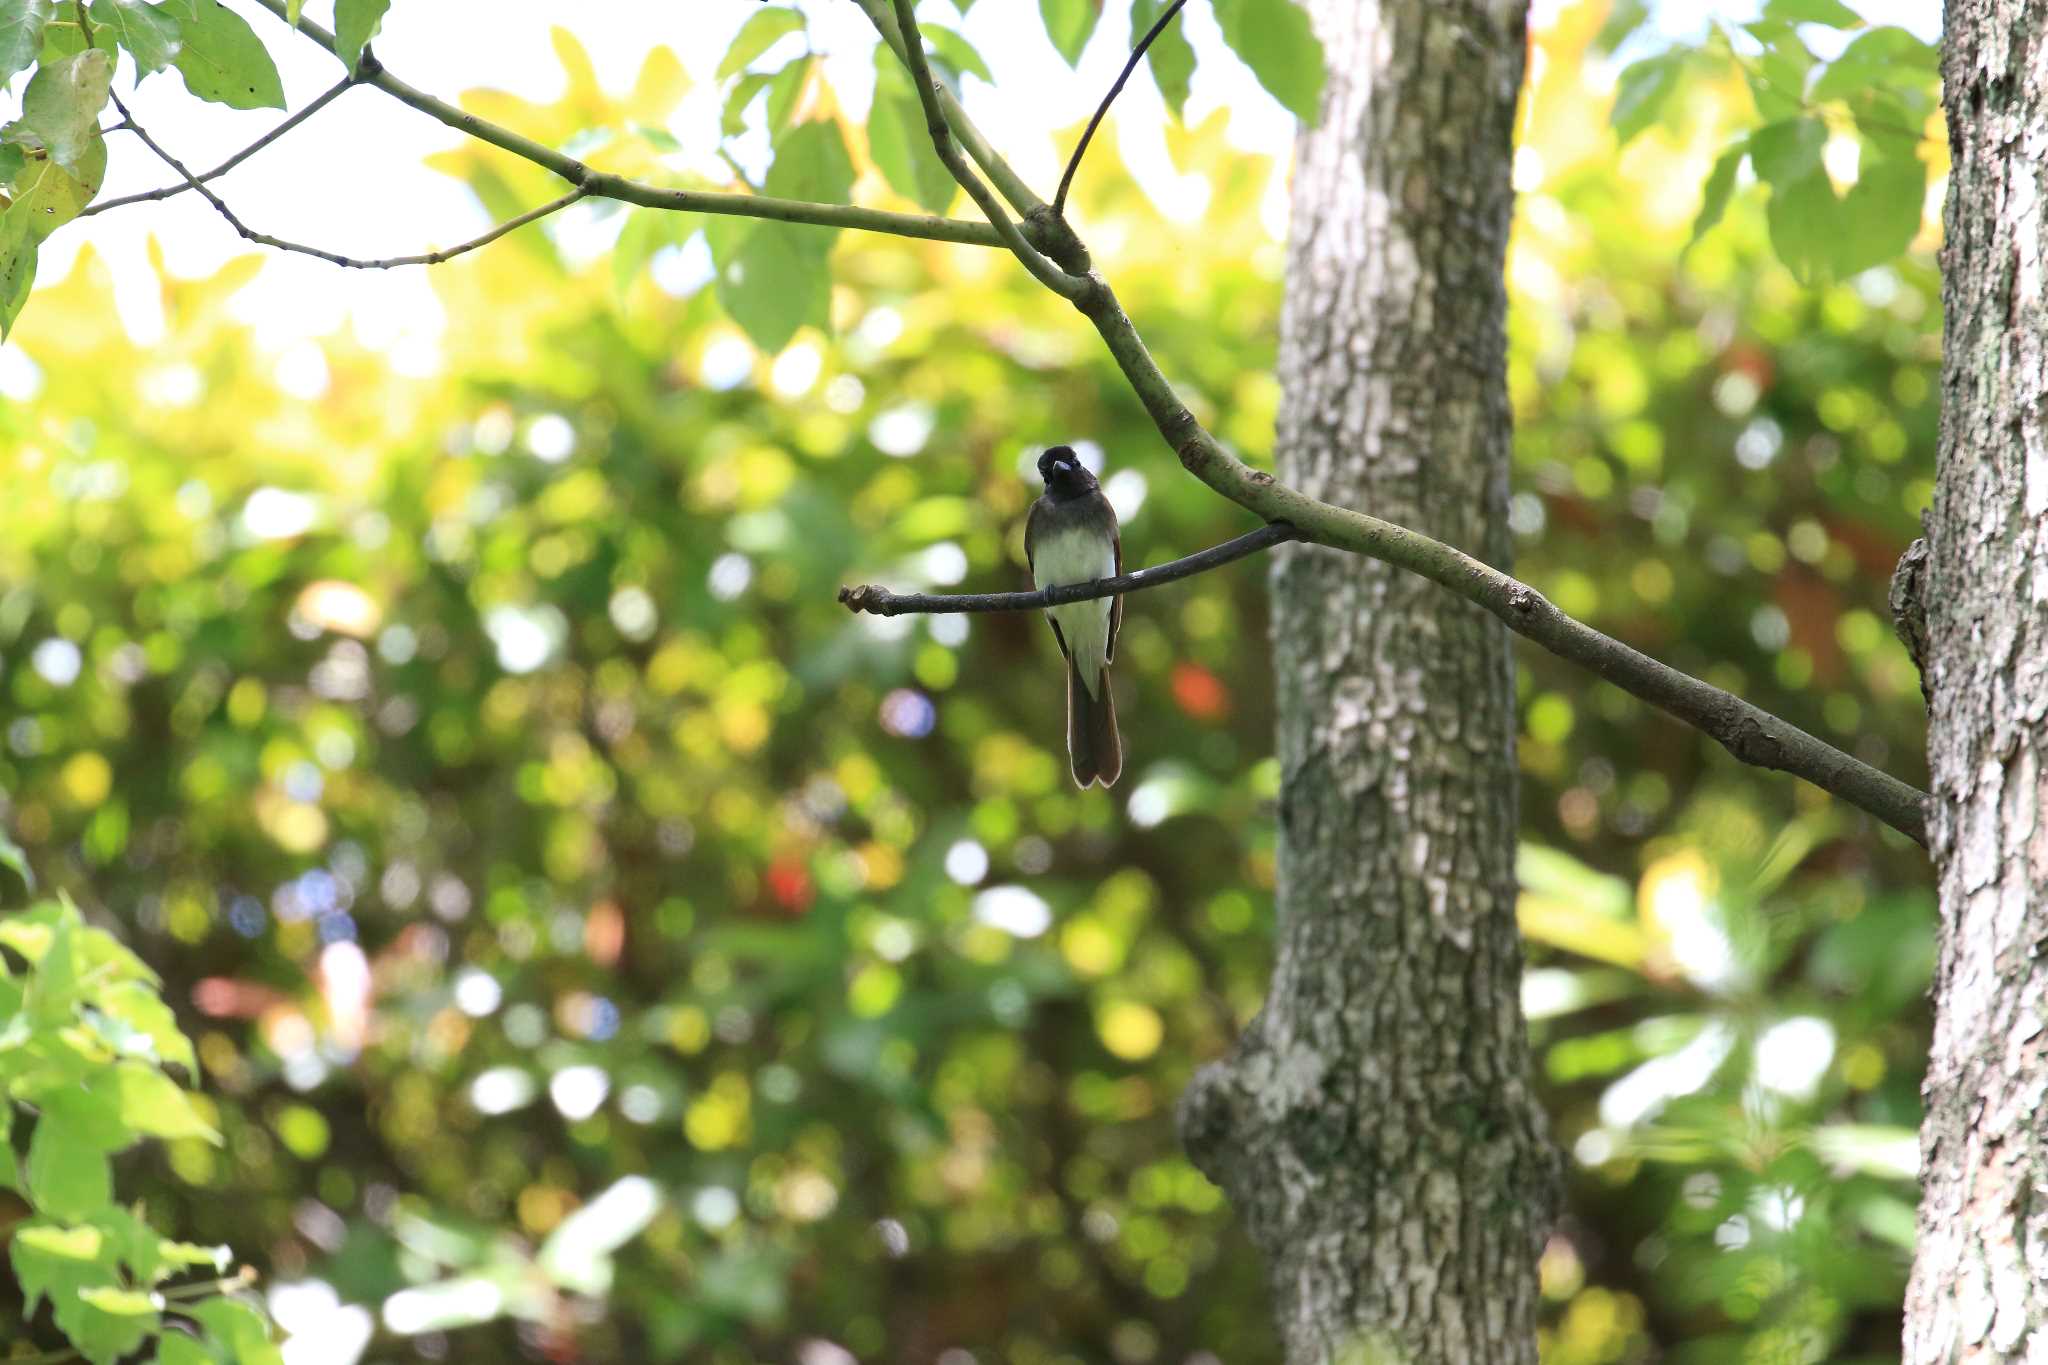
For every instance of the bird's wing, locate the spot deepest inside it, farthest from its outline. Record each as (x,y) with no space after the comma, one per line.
(1116,604)
(1031,563)
(1065,653)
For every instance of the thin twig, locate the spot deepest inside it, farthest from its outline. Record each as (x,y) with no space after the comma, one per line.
(1059,199)
(602,185)
(947,146)
(879,601)
(353,263)
(237,159)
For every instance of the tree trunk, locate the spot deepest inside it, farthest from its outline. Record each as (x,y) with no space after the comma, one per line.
(1376,1127)
(1979,1290)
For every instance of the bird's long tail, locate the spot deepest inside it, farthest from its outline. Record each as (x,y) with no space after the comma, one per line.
(1093,745)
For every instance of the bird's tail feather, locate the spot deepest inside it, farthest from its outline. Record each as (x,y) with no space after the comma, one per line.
(1093,745)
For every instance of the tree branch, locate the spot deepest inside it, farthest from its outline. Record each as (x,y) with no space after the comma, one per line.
(600,185)
(1059,200)
(880,601)
(1750,733)
(948,147)
(387,263)
(237,159)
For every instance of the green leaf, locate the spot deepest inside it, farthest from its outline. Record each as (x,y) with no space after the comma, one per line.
(53,993)
(1720,187)
(71,1267)
(55,1263)
(49,195)
(1274,39)
(1880,215)
(757,35)
(62,104)
(744,92)
(783,88)
(11,855)
(175,1348)
(1888,56)
(774,283)
(149,32)
(21,34)
(1171,57)
(811,163)
(1069,23)
(69,1244)
(223,60)
(135,1004)
(1832,13)
(901,143)
(1622,20)
(127,1303)
(355,23)
(1788,150)
(67,1170)
(1641,93)
(152,1103)
(108,1322)
(949,49)
(17,271)
(62,38)
(244,1332)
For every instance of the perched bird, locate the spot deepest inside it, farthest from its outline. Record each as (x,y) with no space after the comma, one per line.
(1071,537)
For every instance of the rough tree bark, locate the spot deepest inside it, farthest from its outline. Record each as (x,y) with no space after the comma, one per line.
(1979,1290)
(1375,1126)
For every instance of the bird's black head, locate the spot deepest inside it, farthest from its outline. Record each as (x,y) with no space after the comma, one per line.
(1063,472)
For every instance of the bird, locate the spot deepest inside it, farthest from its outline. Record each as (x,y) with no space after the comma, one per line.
(1071,536)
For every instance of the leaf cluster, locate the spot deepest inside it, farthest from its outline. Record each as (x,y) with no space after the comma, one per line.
(85,1046)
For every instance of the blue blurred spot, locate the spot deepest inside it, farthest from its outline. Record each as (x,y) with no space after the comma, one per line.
(908,713)
(247,916)
(336,926)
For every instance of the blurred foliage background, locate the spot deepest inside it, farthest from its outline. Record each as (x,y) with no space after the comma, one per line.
(600,946)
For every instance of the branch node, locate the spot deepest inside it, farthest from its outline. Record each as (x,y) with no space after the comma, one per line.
(1046,229)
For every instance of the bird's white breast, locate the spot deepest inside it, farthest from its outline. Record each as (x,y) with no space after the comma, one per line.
(1078,557)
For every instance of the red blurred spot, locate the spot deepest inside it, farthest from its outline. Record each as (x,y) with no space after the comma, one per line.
(789,884)
(226,998)
(1199,692)
(604,933)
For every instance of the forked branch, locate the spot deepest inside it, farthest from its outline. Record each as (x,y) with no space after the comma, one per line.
(328,97)
(387,263)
